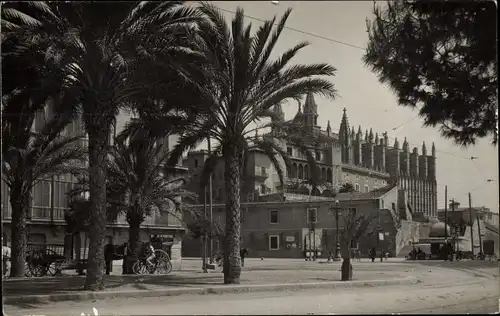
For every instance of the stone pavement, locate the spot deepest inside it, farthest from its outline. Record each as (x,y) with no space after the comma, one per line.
(176,283)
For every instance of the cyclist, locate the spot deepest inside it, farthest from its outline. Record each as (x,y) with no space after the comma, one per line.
(150,255)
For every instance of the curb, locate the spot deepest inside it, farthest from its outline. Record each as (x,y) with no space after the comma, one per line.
(218,289)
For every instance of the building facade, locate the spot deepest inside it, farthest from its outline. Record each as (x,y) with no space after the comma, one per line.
(290,228)
(365,160)
(49,202)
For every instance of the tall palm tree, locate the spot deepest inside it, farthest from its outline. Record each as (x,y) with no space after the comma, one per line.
(240,87)
(110,54)
(138,185)
(31,152)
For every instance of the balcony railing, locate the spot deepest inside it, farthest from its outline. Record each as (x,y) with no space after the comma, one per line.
(43,213)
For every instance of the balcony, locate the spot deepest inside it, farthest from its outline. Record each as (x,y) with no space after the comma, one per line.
(43,213)
(261,173)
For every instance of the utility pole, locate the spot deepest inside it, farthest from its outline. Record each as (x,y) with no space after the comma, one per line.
(446,214)
(455,243)
(471,226)
(479,233)
(205,235)
(210,211)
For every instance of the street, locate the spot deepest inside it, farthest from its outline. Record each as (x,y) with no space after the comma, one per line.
(445,288)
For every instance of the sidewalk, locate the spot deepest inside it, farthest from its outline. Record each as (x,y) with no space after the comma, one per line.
(64,288)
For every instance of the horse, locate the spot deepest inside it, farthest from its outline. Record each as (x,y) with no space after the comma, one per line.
(112,253)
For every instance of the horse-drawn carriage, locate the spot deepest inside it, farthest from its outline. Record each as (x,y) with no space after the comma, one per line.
(43,261)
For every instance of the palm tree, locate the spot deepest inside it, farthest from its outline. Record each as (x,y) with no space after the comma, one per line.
(138,186)
(17,15)
(354,228)
(240,87)
(31,152)
(111,53)
(346,187)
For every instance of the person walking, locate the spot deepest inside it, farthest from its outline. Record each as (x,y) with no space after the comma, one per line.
(243,253)
(373,254)
(6,256)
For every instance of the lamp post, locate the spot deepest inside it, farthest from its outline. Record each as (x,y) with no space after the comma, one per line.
(337,211)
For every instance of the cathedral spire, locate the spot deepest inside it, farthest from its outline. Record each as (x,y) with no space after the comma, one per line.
(424,149)
(310,106)
(433,150)
(353,133)
(278,111)
(328,128)
(370,137)
(406,146)
(366,136)
(396,143)
(359,135)
(376,139)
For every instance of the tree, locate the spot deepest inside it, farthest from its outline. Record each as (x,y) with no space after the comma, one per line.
(110,54)
(240,86)
(346,187)
(31,152)
(138,186)
(440,57)
(354,228)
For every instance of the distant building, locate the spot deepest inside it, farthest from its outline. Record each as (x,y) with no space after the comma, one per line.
(282,229)
(364,160)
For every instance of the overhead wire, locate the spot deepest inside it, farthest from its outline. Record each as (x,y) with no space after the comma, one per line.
(472,158)
(300,31)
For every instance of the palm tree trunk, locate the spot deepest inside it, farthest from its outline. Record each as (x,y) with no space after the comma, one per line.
(98,151)
(19,232)
(232,260)
(346,268)
(134,242)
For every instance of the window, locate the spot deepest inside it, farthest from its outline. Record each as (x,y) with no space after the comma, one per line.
(367,189)
(393,206)
(356,187)
(274,242)
(312,215)
(318,156)
(196,163)
(273,217)
(289,151)
(263,189)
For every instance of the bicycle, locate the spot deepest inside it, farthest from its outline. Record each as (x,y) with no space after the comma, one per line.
(161,264)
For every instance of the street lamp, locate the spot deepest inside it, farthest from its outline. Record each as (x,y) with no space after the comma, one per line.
(337,211)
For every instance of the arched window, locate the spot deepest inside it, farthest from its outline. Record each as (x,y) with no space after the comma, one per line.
(301,172)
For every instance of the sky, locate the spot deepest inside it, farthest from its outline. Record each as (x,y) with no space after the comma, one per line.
(368,102)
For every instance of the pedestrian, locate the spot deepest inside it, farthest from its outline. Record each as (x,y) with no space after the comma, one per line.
(373,254)
(243,253)
(6,255)
(126,266)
